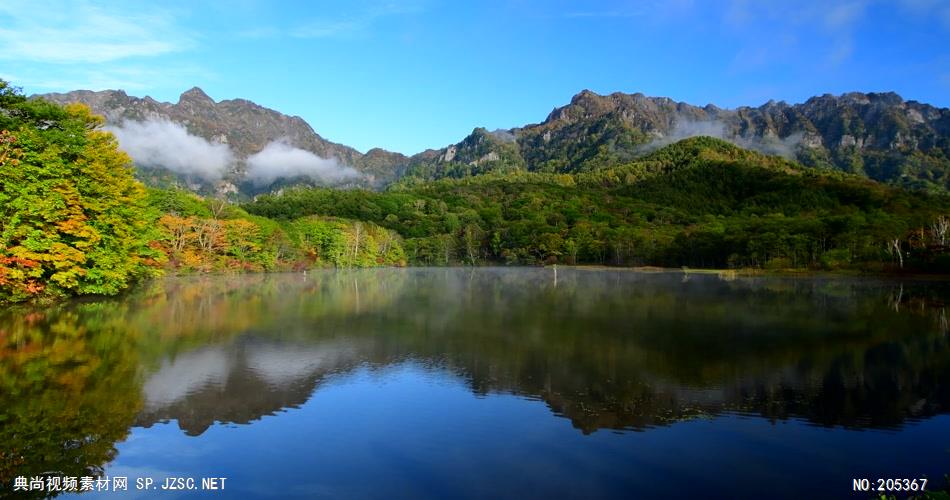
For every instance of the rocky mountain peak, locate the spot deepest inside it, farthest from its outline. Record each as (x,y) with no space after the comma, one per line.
(878,135)
(247,128)
(584,95)
(887,98)
(195,95)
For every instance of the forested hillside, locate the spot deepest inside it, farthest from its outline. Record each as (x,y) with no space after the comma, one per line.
(75,221)
(700,202)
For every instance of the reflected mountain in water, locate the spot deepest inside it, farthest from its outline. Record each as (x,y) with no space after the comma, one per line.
(616,350)
(606,349)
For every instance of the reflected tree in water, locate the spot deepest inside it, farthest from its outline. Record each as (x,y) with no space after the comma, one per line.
(69,391)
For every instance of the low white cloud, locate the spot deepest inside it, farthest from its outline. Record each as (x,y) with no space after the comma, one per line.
(685,128)
(279,159)
(503,135)
(165,144)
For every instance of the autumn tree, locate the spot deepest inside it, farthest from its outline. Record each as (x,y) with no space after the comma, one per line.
(73,217)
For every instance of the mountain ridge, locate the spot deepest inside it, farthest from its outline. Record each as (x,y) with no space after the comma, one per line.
(876,134)
(245,126)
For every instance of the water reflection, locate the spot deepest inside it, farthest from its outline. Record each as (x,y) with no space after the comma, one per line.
(68,390)
(606,349)
(238,383)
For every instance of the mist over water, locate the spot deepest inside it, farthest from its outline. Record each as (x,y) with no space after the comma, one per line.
(444,381)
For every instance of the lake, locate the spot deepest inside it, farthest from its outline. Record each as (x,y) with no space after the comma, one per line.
(483,382)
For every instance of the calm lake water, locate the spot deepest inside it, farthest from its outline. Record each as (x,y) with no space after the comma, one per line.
(484,383)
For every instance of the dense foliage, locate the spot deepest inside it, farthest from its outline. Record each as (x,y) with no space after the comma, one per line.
(69,390)
(72,216)
(700,202)
(73,220)
(202,235)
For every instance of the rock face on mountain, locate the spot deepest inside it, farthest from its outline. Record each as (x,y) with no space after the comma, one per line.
(877,135)
(245,126)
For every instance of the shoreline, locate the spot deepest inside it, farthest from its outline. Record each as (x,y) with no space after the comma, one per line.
(728,274)
(753,272)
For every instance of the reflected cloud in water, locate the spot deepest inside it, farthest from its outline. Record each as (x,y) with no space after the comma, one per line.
(604,349)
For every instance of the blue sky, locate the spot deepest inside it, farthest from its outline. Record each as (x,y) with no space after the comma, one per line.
(416,74)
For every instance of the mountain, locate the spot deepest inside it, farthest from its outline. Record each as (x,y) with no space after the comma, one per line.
(247,128)
(699,202)
(877,135)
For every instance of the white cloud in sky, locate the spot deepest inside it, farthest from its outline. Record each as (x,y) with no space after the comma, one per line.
(60,45)
(83,33)
(653,9)
(831,26)
(137,77)
(328,29)
(937,9)
(357,18)
(843,15)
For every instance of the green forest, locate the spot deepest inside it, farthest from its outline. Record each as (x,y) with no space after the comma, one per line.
(701,202)
(74,220)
